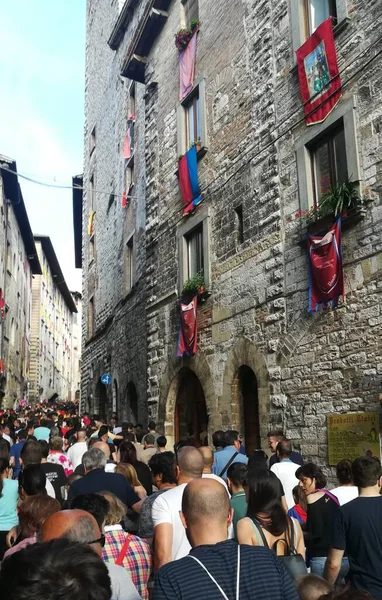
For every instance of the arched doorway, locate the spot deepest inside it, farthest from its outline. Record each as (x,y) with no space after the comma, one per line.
(249,402)
(191,417)
(132,402)
(101,400)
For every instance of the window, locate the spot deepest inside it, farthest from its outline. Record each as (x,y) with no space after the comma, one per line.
(91,249)
(329,166)
(191,120)
(191,11)
(91,193)
(307,15)
(92,141)
(316,12)
(129,265)
(193,243)
(91,318)
(327,154)
(129,178)
(9,258)
(131,100)
(195,259)
(239,225)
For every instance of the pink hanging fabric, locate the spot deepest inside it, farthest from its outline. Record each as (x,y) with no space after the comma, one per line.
(187,67)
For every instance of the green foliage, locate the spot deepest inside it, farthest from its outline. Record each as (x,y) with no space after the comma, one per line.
(193,284)
(342,197)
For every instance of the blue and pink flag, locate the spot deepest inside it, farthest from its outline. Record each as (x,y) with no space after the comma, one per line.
(188,180)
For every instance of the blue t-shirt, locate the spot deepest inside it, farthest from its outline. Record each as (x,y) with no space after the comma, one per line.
(222,457)
(15,453)
(42,433)
(8,504)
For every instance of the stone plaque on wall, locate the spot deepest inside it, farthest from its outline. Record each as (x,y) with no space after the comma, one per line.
(351,435)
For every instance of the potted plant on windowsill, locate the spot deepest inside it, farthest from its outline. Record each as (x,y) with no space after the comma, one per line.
(183,36)
(341,200)
(194,286)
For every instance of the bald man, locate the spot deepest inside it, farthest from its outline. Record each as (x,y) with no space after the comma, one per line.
(170,541)
(105,448)
(76,452)
(208,457)
(80,526)
(216,561)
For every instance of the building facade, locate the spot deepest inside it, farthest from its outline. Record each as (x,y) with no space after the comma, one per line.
(19,263)
(76,347)
(262,360)
(53,307)
(113,257)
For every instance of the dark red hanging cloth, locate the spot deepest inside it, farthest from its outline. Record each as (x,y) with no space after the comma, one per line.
(326,278)
(318,73)
(188,333)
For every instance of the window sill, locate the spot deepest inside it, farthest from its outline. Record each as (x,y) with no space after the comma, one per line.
(202,296)
(321,226)
(339,28)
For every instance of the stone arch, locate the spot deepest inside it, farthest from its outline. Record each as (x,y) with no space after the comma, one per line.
(169,389)
(245,354)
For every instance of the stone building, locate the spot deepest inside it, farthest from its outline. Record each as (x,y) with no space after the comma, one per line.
(76,347)
(19,263)
(262,361)
(53,307)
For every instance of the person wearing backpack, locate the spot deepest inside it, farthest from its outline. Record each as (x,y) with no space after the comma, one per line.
(322,508)
(267,523)
(229,454)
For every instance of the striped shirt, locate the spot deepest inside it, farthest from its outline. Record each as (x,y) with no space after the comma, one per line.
(262,575)
(138,559)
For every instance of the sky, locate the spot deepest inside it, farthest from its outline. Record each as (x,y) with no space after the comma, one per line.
(42,66)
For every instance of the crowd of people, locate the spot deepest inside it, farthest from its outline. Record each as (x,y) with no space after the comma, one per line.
(105,511)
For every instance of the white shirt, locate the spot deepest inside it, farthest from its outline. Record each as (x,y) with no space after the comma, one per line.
(76,452)
(286,472)
(345,493)
(166,510)
(217,478)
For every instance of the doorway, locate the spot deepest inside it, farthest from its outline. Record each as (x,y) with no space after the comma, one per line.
(249,401)
(191,416)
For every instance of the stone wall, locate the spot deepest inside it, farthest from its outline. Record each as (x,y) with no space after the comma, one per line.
(306,365)
(118,344)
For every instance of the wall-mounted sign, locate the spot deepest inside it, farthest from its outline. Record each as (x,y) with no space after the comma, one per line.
(351,435)
(106,379)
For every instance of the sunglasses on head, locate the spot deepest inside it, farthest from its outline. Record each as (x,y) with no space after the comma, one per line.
(100,541)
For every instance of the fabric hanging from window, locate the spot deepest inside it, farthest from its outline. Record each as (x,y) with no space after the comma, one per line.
(188,180)
(124,200)
(318,74)
(188,334)
(326,277)
(2,305)
(91,223)
(187,67)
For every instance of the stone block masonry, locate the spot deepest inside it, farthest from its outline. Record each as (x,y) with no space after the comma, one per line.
(305,366)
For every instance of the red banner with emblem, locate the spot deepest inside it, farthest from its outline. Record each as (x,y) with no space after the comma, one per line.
(188,334)
(318,74)
(326,277)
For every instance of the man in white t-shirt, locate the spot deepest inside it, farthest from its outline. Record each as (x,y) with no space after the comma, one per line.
(286,470)
(208,457)
(76,452)
(170,540)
